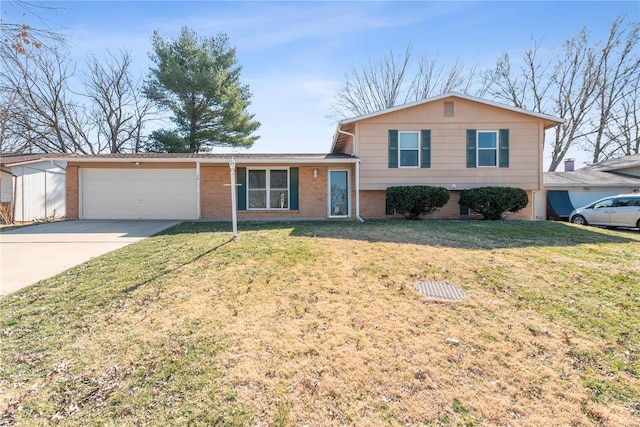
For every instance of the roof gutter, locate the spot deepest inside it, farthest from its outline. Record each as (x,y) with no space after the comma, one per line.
(353,136)
(221,161)
(588,185)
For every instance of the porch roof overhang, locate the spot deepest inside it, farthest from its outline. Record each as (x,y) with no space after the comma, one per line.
(25,159)
(587,178)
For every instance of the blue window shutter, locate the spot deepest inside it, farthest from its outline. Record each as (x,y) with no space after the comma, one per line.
(389,210)
(471,148)
(393,148)
(294,198)
(425,153)
(504,148)
(241,189)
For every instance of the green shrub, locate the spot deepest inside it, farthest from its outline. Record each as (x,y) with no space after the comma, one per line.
(413,201)
(493,202)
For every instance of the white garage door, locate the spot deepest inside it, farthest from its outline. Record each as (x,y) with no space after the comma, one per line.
(138,194)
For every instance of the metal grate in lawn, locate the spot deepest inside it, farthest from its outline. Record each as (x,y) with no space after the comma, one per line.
(439,290)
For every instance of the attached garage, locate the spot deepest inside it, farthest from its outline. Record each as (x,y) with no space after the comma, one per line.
(138,193)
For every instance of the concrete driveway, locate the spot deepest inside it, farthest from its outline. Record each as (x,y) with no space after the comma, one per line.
(33,253)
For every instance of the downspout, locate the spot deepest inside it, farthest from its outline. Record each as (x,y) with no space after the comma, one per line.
(46,214)
(353,136)
(358,191)
(22,194)
(13,198)
(353,153)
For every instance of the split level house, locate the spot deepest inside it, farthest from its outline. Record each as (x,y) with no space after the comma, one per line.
(454,141)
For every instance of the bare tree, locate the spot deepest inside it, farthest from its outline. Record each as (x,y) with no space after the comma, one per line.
(624,126)
(44,114)
(575,81)
(120,108)
(618,69)
(21,36)
(8,144)
(587,83)
(373,87)
(529,88)
(392,80)
(434,77)
(504,85)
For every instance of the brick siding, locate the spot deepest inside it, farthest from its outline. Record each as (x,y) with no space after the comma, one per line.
(215,202)
(72,192)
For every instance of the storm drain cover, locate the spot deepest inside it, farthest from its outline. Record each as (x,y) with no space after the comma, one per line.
(439,290)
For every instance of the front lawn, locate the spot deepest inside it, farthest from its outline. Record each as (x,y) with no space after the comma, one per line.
(317,323)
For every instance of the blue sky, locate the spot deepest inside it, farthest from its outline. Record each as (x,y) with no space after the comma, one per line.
(295,54)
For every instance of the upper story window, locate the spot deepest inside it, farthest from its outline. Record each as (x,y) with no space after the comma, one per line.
(268,189)
(409,149)
(487,148)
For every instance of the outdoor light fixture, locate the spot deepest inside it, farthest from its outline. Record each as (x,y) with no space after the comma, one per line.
(315,172)
(453,186)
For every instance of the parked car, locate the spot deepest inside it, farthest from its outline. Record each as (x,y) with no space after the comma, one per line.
(622,210)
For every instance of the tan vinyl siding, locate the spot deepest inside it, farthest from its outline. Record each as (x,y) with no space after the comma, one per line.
(448,147)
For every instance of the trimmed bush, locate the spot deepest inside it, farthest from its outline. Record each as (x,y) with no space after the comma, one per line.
(493,202)
(413,201)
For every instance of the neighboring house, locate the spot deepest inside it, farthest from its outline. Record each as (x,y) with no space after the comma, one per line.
(455,141)
(32,187)
(576,188)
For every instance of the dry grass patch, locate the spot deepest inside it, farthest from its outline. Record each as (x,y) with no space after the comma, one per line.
(318,324)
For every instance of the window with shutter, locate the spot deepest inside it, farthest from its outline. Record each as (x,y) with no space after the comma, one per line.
(425,154)
(393,148)
(268,189)
(487,148)
(504,148)
(241,188)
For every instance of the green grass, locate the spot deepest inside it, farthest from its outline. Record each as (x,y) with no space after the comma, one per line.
(317,323)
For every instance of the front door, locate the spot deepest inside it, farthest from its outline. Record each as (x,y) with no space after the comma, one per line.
(339,193)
